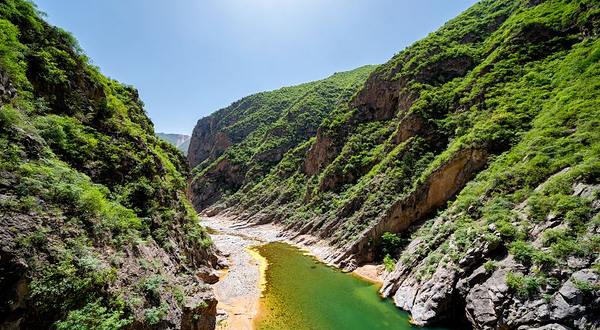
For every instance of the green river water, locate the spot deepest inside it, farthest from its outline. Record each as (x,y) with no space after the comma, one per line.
(302,293)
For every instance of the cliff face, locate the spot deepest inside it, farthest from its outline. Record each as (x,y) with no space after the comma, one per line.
(96,230)
(238,145)
(479,147)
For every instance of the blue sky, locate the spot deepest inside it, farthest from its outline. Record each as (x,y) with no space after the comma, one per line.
(189,58)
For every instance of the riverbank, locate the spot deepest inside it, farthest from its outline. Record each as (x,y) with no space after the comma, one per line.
(239,288)
(371,272)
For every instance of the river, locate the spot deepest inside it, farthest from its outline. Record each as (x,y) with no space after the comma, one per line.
(298,292)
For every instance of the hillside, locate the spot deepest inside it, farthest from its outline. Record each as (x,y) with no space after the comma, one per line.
(238,145)
(470,162)
(181,141)
(96,229)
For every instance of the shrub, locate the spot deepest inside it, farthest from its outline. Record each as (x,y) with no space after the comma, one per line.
(490,266)
(389,263)
(522,251)
(154,314)
(94,316)
(521,284)
(543,259)
(8,116)
(179,295)
(153,286)
(564,247)
(390,243)
(585,286)
(507,229)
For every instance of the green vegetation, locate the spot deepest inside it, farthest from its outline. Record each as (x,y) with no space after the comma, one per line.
(93,317)
(390,244)
(261,128)
(502,77)
(490,266)
(85,186)
(524,285)
(512,84)
(389,263)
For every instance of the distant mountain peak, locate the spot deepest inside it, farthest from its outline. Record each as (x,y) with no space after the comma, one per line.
(181,141)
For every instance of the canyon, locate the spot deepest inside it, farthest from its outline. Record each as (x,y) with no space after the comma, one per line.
(462,146)
(463,175)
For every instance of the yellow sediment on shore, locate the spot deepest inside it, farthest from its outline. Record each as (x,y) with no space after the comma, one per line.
(370,273)
(262,282)
(262,268)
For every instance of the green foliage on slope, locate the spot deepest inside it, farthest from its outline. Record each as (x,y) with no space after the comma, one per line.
(83,184)
(260,128)
(487,80)
(480,144)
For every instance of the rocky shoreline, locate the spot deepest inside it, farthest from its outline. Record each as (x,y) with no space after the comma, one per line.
(238,289)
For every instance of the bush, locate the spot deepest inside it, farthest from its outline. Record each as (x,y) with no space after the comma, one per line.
(389,263)
(154,314)
(522,251)
(8,117)
(153,286)
(506,229)
(490,266)
(390,243)
(524,285)
(543,259)
(565,247)
(94,316)
(585,286)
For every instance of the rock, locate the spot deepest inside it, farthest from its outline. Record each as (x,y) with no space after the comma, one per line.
(406,293)
(483,300)
(396,277)
(552,326)
(434,298)
(480,307)
(569,291)
(221,315)
(208,275)
(465,284)
(584,190)
(200,312)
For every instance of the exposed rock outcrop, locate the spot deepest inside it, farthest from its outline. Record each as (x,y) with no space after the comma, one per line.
(439,187)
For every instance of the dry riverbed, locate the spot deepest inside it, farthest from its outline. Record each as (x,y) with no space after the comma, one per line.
(238,290)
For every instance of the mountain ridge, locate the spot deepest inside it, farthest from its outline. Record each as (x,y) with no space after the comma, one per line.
(247,138)
(475,147)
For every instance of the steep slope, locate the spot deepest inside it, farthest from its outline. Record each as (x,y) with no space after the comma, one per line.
(96,230)
(181,141)
(238,145)
(478,146)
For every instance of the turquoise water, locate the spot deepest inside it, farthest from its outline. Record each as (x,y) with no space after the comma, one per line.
(302,293)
